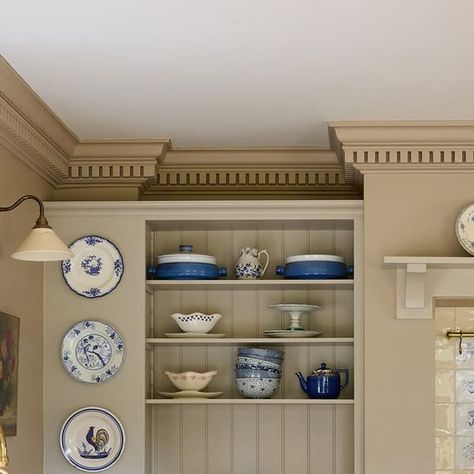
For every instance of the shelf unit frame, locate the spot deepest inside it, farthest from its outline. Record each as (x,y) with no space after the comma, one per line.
(274,211)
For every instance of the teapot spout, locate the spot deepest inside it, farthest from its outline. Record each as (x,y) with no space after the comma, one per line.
(302,381)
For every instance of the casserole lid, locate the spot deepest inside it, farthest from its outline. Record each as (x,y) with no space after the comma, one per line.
(186,255)
(314,258)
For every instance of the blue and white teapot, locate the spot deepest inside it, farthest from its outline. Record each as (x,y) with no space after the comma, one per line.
(248,266)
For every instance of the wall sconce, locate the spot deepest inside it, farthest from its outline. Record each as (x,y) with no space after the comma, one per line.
(42,244)
(3,452)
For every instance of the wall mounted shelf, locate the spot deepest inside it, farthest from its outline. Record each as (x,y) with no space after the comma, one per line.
(277,284)
(420,279)
(247,401)
(251,340)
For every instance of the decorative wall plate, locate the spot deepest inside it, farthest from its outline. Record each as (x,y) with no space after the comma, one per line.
(465,228)
(92,439)
(92,351)
(96,268)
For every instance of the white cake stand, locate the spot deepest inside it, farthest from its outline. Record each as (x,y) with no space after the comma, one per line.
(295,311)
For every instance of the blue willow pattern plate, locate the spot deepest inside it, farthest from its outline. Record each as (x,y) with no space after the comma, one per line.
(92,351)
(96,268)
(465,228)
(92,439)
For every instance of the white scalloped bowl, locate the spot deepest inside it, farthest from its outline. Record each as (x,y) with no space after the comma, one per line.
(190,380)
(196,322)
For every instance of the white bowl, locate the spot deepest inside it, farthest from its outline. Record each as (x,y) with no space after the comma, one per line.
(190,380)
(196,322)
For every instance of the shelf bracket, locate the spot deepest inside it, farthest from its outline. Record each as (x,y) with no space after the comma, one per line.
(415,284)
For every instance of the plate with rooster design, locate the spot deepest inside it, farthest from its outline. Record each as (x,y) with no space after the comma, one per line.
(92,351)
(92,439)
(96,268)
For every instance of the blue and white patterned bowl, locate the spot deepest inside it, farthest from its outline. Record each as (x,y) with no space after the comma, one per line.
(275,372)
(257,387)
(257,352)
(255,373)
(259,363)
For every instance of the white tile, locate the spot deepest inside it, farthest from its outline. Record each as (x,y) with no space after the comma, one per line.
(465,318)
(465,360)
(465,386)
(465,419)
(444,386)
(444,319)
(465,452)
(444,419)
(444,453)
(444,353)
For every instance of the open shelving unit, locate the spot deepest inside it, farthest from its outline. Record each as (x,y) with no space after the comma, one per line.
(256,435)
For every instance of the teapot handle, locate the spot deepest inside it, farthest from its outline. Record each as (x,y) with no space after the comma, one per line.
(346,372)
(264,252)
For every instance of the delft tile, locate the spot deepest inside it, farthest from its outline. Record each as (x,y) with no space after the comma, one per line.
(465,318)
(444,388)
(444,449)
(444,419)
(445,318)
(464,386)
(445,353)
(465,360)
(465,452)
(464,419)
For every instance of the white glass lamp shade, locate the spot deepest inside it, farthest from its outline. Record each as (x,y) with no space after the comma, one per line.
(42,245)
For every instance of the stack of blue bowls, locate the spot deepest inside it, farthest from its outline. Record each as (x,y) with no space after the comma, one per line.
(258,372)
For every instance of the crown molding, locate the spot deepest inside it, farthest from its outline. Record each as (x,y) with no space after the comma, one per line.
(403,147)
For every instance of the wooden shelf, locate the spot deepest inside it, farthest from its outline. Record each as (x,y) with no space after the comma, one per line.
(199,284)
(250,340)
(247,401)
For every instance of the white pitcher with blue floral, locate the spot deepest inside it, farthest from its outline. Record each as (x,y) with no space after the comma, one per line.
(249,266)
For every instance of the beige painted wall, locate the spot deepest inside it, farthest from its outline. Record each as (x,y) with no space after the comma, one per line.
(404,215)
(21,294)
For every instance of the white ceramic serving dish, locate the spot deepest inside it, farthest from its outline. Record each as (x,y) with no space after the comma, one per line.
(194,381)
(196,322)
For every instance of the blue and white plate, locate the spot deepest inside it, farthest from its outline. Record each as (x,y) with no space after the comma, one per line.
(96,268)
(92,351)
(92,439)
(465,228)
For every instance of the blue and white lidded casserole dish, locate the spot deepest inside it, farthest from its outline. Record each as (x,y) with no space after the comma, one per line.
(315,267)
(186,265)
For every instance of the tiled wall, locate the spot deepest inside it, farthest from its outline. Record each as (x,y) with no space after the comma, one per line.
(454,409)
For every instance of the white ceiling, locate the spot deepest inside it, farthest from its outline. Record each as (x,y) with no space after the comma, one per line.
(241,73)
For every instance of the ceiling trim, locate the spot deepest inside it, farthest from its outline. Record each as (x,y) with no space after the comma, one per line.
(407,147)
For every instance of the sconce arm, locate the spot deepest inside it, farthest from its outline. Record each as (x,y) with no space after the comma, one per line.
(41,222)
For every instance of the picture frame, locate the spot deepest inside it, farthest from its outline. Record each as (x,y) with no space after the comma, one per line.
(9,352)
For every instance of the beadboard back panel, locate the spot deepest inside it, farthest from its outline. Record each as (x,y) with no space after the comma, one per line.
(260,439)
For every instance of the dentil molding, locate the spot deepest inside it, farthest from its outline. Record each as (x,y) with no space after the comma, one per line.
(403,147)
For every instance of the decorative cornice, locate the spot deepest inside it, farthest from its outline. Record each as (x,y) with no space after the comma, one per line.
(246,173)
(413,147)
(26,142)
(113,162)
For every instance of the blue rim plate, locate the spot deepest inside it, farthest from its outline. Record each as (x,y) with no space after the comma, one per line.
(96,268)
(465,228)
(92,439)
(92,351)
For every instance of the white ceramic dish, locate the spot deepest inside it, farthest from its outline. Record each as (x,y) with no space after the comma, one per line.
(295,311)
(290,333)
(92,439)
(194,381)
(465,228)
(196,322)
(192,335)
(92,351)
(190,394)
(96,268)
(314,258)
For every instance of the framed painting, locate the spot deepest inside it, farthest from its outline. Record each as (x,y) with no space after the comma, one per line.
(9,345)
